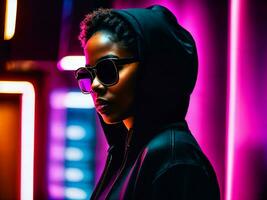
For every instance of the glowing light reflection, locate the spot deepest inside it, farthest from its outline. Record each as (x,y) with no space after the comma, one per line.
(26,89)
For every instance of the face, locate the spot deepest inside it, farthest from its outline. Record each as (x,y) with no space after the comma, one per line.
(113,103)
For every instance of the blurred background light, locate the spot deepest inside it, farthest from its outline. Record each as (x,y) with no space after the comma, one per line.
(75,132)
(73,154)
(57,191)
(56,172)
(74,174)
(57,152)
(75,193)
(71,62)
(61,99)
(10,19)
(26,89)
(78,100)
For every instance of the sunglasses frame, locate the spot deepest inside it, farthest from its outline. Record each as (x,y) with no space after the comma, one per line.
(92,70)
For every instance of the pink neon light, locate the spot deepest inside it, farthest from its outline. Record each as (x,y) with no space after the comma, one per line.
(56,173)
(57,191)
(71,62)
(234,13)
(27,132)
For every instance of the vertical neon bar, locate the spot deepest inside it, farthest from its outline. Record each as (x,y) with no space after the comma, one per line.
(10,19)
(27,132)
(232,74)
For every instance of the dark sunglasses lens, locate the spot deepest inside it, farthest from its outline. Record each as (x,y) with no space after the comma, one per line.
(106,72)
(84,80)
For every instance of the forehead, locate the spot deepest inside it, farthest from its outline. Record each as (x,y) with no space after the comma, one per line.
(99,41)
(101,44)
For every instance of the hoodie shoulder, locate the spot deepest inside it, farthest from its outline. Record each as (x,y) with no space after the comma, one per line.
(173,146)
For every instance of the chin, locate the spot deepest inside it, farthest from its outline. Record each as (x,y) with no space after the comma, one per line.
(108,119)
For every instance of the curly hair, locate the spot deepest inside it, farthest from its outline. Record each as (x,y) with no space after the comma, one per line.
(103,19)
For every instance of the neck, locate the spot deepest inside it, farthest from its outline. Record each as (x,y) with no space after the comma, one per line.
(129,122)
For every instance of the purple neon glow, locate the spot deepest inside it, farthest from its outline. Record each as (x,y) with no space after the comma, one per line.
(234,14)
(56,172)
(56,191)
(250,142)
(57,152)
(56,146)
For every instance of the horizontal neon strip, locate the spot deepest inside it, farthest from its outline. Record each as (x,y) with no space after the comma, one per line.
(71,62)
(27,132)
(62,100)
(10,19)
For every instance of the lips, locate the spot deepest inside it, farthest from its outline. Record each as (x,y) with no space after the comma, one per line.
(102,106)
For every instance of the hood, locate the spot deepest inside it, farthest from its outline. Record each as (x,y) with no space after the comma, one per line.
(166,76)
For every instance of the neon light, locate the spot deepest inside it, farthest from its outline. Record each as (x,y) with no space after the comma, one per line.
(10,19)
(56,172)
(73,154)
(27,132)
(71,62)
(57,152)
(74,174)
(232,96)
(74,132)
(56,190)
(78,100)
(75,193)
(62,100)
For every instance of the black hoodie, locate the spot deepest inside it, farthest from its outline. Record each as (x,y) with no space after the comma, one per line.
(158,158)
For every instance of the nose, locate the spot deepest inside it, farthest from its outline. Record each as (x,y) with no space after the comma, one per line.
(97,86)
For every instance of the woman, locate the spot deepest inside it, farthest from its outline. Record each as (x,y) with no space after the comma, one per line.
(141,69)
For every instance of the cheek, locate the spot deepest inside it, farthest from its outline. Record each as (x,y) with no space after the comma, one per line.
(124,90)
(122,104)
(124,93)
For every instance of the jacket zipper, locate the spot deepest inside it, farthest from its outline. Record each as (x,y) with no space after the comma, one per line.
(124,160)
(127,147)
(109,159)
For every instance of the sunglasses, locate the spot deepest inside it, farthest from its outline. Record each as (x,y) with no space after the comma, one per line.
(106,71)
